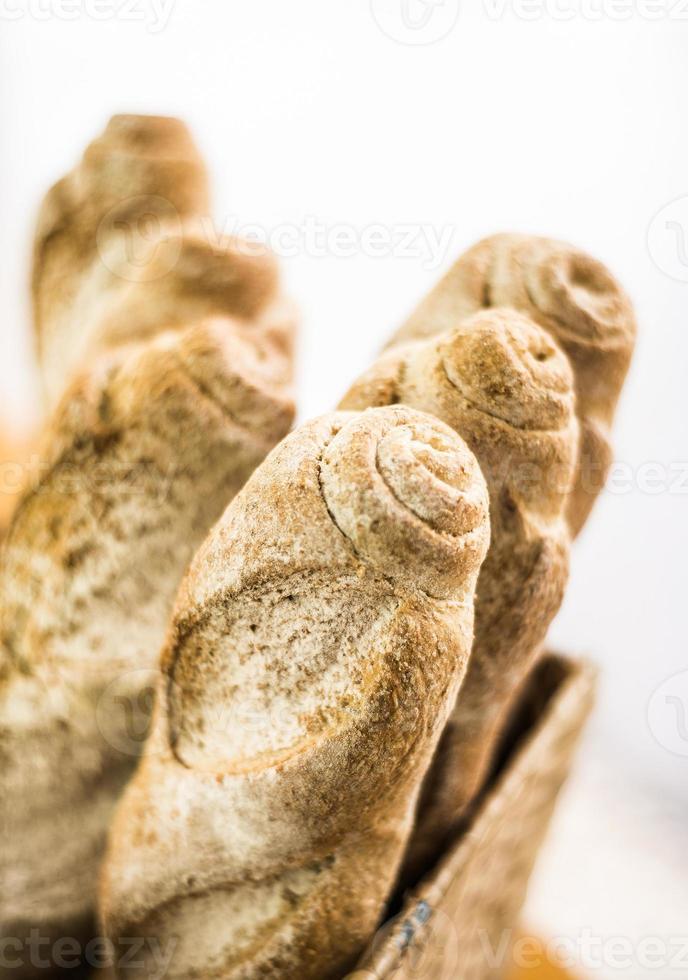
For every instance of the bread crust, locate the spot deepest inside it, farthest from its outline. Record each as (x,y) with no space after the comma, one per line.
(317,645)
(124,248)
(578,301)
(167,390)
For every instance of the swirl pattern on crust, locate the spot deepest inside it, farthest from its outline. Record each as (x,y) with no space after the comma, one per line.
(577,300)
(503,384)
(408,497)
(299,606)
(505,366)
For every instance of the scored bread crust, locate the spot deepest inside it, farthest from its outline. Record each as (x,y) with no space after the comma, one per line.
(503,384)
(166,391)
(577,300)
(316,648)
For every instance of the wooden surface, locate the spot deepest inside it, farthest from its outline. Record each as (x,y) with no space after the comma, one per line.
(458,923)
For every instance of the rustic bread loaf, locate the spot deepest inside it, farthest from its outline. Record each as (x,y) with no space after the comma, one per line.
(317,645)
(124,248)
(502,383)
(182,388)
(577,300)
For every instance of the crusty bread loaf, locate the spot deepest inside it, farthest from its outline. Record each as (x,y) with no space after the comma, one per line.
(124,249)
(577,300)
(174,389)
(503,384)
(316,648)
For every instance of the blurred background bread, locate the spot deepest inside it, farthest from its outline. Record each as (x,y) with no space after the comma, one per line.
(168,374)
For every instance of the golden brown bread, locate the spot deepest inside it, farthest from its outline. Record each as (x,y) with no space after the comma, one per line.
(572,296)
(502,383)
(173,389)
(317,645)
(121,252)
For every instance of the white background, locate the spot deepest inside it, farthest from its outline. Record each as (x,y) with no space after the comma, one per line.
(517,118)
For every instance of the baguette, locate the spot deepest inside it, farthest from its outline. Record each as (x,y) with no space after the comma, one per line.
(123,249)
(572,296)
(502,383)
(317,645)
(174,388)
